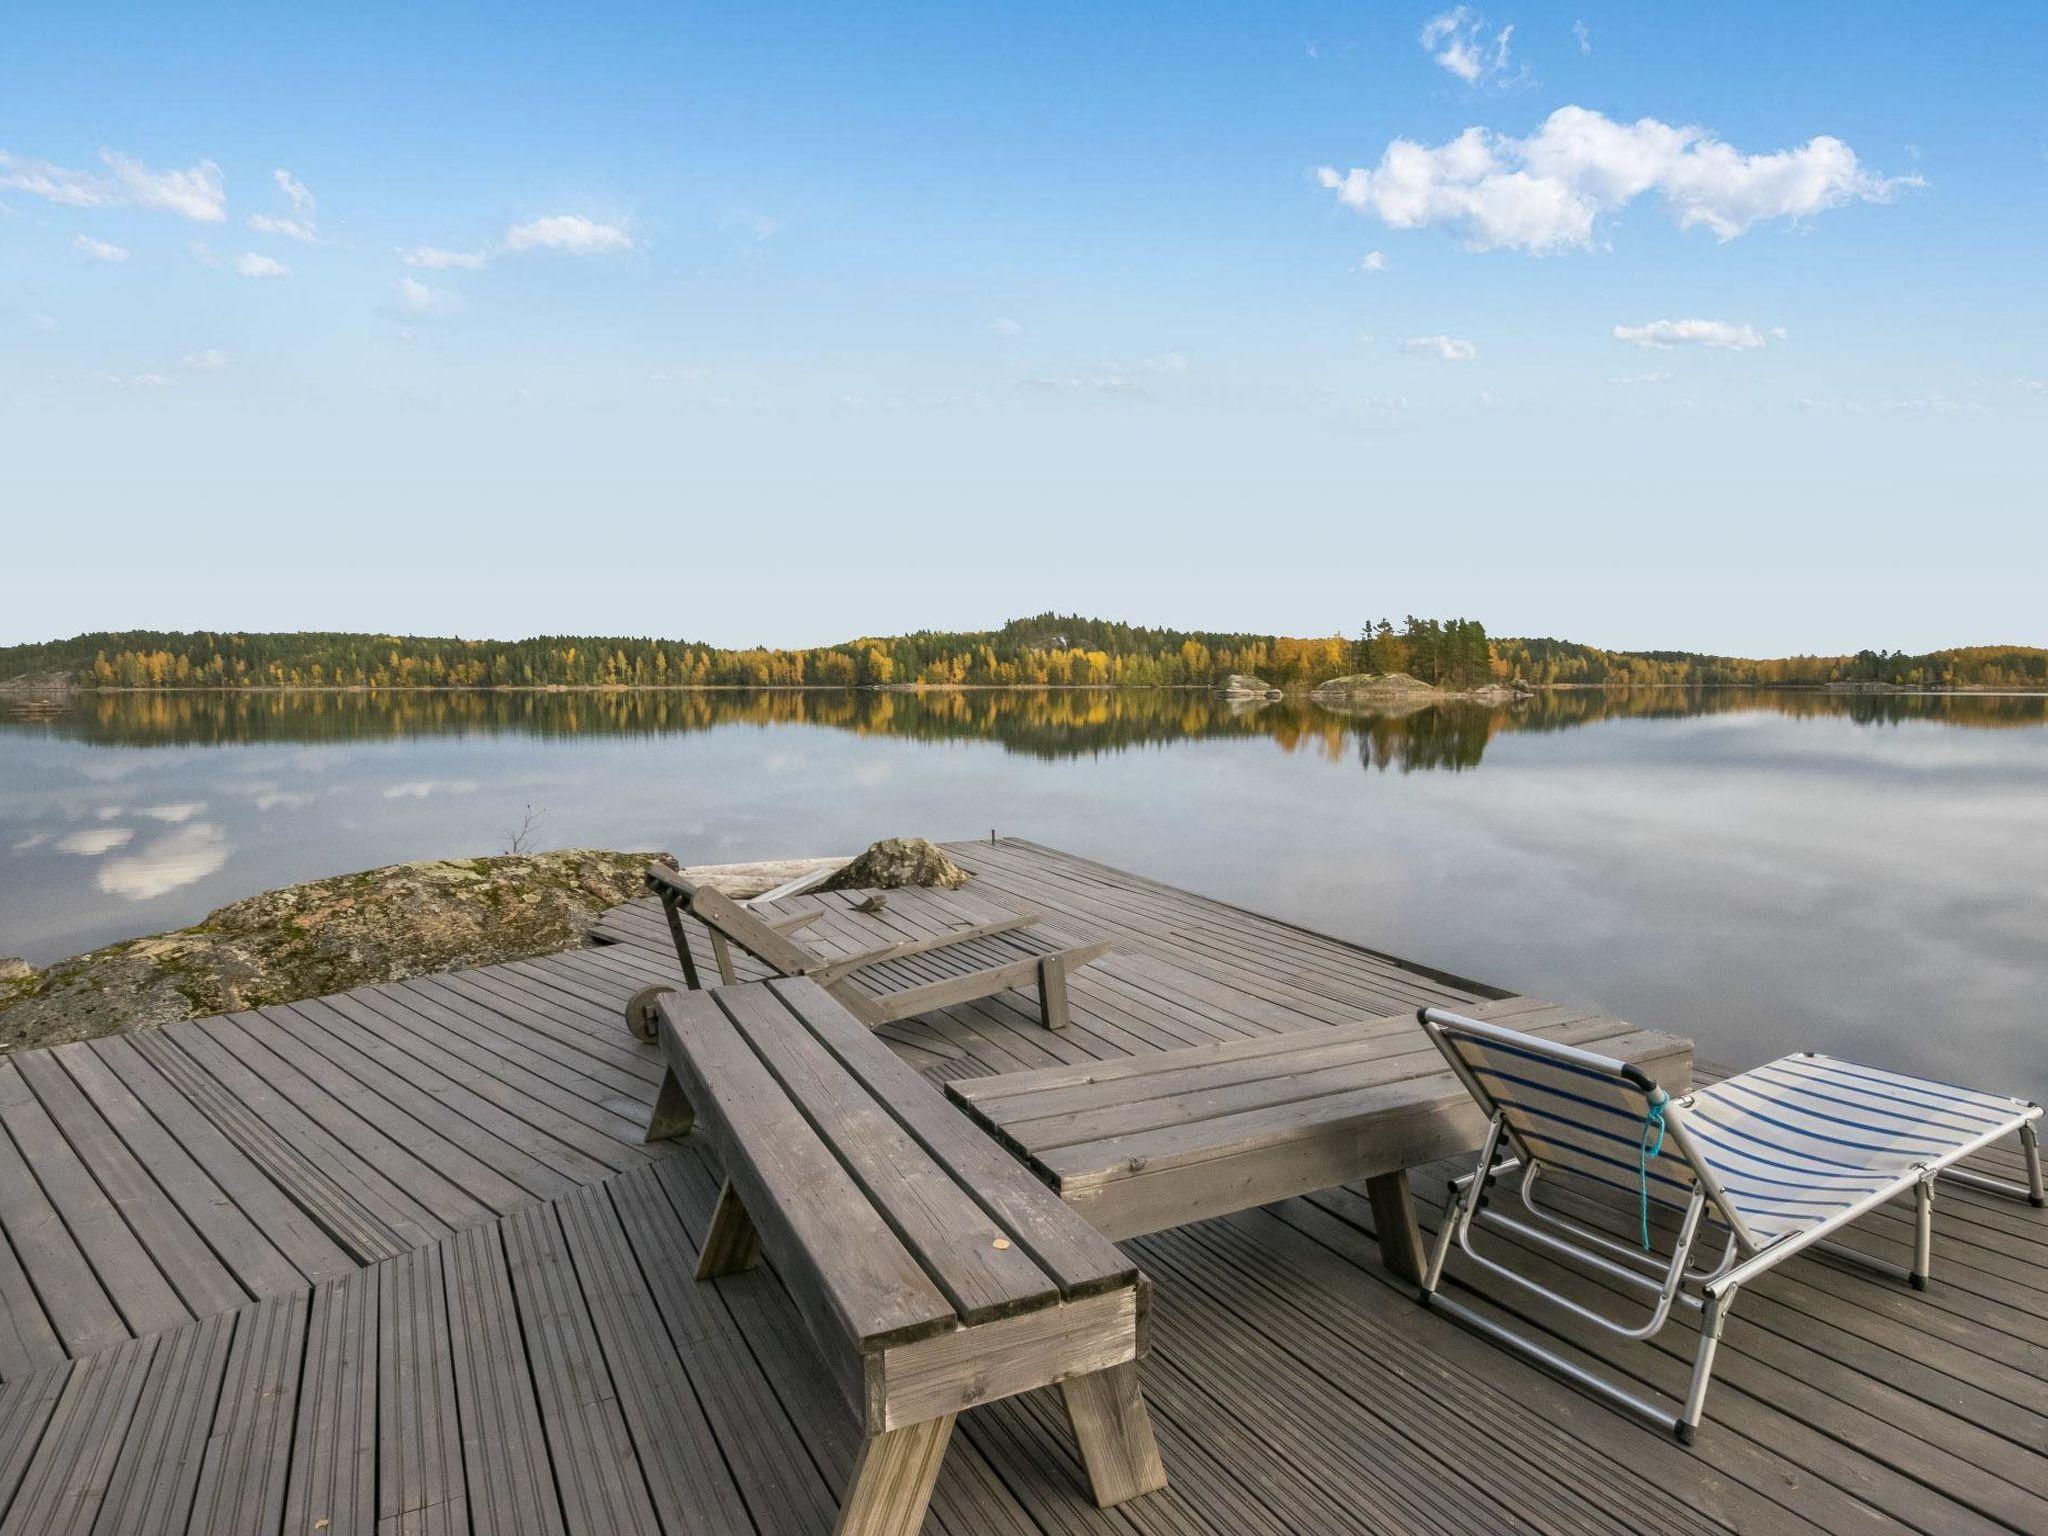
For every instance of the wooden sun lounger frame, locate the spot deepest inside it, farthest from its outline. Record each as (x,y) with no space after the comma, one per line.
(773,944)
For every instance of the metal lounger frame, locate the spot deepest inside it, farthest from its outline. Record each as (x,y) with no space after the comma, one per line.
(1743,1257)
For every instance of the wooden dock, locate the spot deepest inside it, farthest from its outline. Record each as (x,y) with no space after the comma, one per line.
(397,1260)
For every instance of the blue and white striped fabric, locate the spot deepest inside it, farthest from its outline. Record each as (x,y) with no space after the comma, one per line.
(1572,1118)
(1806,1137)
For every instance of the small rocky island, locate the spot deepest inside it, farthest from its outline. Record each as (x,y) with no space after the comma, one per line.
(1240,685)
(1399,689)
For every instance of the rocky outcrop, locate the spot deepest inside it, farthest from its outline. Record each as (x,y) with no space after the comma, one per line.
(1373,685)
(1402,689)
(16,978)
(895,862)
(1242,685)
(325,936)
(35,696)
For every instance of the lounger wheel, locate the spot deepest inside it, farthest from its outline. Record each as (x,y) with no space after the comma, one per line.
(640,1011)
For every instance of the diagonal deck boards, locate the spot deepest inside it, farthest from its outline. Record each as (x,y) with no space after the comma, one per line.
(362,1334)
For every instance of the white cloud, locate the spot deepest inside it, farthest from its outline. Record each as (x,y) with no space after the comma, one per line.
(1458,41)
(94,841)
(291,229)
(1450,349)
(417,298)
(1108,382)
(569,232)
(2034,386)
(1110,378)
(1373,261)
(248,264)
(1585,38)
(140,381)
(98,250)
(1698,333)
(1643,378)
(1545,192)
(1003,325)
(197,193)
(434,259)
(212,360)
(303,223)
(178,859)
(1929,405)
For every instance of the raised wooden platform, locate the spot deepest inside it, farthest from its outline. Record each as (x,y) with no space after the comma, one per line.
(397,1261)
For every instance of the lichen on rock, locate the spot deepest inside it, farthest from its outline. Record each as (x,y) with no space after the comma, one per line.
(895,862)
(325,936)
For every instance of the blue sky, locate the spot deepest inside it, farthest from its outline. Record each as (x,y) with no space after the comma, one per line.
(783,323)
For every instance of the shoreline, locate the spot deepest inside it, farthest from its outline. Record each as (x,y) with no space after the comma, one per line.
(1294,691)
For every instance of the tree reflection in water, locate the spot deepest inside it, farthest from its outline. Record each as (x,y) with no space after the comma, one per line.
(1043,723)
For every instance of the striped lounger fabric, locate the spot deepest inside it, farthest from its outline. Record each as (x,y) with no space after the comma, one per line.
(1767,1163)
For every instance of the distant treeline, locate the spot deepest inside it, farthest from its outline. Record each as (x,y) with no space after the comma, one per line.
(1049,650)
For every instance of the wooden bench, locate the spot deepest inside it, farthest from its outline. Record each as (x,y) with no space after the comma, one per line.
(1143,1143)
(932,1270)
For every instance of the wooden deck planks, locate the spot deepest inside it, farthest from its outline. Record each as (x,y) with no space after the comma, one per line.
(549,1340)
(333,1485)
(62,1488)
(502,1472)
(243,1474)
(687,1482)
(596,1472)
(421,1452)
(156,1476)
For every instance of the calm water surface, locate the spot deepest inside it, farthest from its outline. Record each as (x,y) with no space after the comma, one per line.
(1763,872)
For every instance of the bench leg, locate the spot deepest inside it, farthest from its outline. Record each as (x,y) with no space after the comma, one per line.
(1114,1433)
(892,1480)
(722,953)
(1052,992)
(1393,1218)
(672,1113)
(731,1244)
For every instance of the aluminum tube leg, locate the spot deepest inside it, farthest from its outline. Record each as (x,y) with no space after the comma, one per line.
(2030,1144)
(1923,1233)
(1458,1214)
(1433,1275)
(1703,1363)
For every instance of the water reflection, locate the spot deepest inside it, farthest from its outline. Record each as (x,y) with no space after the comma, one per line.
(1044,723)
(1764,871)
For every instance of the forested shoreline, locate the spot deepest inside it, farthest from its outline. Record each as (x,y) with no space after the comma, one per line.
(1049,650)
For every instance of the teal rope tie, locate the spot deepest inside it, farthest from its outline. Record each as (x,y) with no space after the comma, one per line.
(1645,1150)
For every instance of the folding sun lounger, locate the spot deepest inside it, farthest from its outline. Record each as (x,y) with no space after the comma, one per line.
(1775,1160)
(897,981)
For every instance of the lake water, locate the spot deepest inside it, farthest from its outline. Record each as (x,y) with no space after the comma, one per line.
(1763,872)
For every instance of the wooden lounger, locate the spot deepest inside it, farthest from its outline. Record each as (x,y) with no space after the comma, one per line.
(897,981)
(932,1271)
